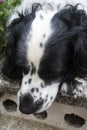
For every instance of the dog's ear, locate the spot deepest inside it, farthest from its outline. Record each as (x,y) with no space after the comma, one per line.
(65,55)
(16,49)
(76,34)
(80,54)
(10,67)
(79,42)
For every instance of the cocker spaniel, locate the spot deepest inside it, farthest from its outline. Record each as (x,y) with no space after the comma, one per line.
(47,49)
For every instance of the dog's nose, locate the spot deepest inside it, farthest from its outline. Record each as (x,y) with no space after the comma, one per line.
(26,104)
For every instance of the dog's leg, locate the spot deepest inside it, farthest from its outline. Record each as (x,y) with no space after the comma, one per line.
(76,88)
(81,88)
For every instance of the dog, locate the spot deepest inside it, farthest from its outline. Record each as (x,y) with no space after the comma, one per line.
(47,50)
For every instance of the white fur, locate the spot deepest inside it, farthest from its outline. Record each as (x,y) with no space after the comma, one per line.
(57,4)
(39,27)
(64,88)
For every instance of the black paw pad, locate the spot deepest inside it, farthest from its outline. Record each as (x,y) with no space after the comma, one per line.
(74,120)
(10,105)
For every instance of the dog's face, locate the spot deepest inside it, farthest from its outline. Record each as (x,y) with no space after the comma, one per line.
(31,34)
(36,95)
(41,51)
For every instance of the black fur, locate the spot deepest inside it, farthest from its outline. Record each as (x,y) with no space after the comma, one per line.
(65,55)
(16,60)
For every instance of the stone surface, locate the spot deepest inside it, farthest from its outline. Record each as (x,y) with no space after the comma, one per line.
(15,120)
(1,94)
(15,123)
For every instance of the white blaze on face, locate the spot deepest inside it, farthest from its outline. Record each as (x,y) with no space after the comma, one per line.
(40,33)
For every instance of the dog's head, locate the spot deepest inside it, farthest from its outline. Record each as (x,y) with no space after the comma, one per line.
(42,48)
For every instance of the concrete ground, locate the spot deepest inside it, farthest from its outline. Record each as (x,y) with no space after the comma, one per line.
(12,119)
(16,123)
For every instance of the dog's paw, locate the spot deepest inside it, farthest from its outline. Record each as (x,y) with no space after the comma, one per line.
(81,89)
(76,88)
(41,115)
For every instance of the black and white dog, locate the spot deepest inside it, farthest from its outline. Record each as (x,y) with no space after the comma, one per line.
(47,48)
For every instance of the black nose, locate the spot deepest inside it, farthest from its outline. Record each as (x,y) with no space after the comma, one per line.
(27,105)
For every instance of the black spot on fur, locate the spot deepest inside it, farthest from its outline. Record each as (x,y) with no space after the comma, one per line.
(25,82)
(46,100)
(32,90)
(35,96)
(46,96)
(51,98)
(29,81)
(44,35)
(74,120)
(47,105)
(42,85)
(40,98)
(41,45)
(37,90)
(40,94)
(33,71)
(41,16)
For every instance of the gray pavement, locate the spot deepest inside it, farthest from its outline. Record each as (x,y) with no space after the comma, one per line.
(14,120)
(16,123)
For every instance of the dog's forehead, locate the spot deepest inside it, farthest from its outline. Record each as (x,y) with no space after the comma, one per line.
(40,32)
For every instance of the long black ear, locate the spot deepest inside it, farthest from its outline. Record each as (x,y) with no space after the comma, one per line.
(80,46)
(15,49)
(76,33)
(16,57)
(65,54)
(10,68)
